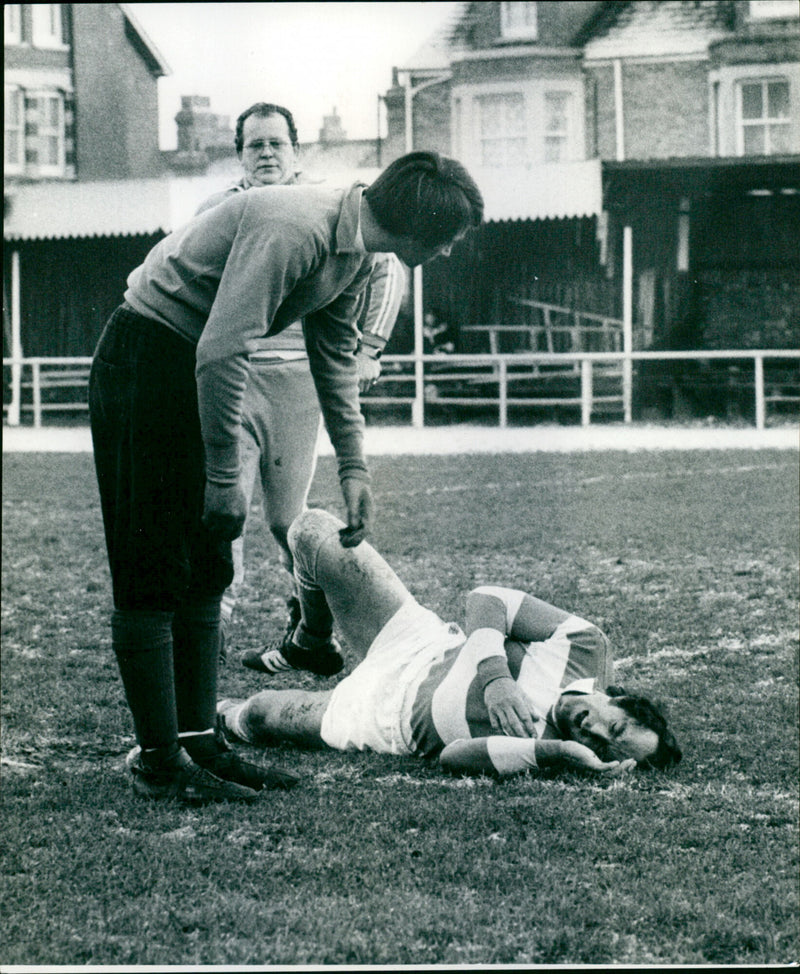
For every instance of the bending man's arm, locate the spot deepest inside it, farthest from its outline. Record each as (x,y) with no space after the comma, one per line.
(330,336)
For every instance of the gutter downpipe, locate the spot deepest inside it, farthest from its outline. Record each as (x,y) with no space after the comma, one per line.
(16,344)
(418,406)
(627,256)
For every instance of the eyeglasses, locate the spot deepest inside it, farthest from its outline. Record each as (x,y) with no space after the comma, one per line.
(275,145)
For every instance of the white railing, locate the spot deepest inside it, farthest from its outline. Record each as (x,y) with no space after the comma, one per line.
(572,379)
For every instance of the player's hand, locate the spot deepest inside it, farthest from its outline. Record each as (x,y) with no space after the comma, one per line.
(510,709)
(579,757)
(368,370)
(224,511)
(360,509)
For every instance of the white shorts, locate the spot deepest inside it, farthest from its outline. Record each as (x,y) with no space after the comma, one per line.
(371,708)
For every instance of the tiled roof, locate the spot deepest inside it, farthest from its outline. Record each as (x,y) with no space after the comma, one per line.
(660,27)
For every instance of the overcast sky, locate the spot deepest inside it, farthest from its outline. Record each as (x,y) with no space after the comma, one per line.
(307,56)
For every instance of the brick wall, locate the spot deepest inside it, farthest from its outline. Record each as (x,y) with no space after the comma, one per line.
(116,98)
(432,121)
(665,109)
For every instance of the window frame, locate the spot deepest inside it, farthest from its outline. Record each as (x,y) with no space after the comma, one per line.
(45,131)
(12,24)
(764,122)
(14,167)
(566,136)
(510,31)
(52,37)
(504,139)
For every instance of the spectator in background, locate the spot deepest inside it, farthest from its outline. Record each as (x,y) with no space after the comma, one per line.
(437,339)
(280,412)
(165,403)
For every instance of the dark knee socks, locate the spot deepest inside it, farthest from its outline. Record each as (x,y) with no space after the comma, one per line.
(142,643)
(195,641)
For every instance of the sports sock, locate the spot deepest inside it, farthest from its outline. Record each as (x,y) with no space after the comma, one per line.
(316,616)
(142,642)
(195,639)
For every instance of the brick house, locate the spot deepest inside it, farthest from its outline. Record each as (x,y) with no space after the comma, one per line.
(679,119)
(81,99)
(84,194)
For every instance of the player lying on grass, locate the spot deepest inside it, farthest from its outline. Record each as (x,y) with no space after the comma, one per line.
(526,687)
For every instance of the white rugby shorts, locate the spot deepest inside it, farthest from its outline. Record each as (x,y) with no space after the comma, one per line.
(371,708)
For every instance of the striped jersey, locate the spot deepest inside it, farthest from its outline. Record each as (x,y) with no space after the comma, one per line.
(544,649)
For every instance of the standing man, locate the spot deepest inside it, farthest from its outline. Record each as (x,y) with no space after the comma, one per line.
(165,401)
(280,413)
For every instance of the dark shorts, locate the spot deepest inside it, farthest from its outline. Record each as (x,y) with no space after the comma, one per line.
(148,453)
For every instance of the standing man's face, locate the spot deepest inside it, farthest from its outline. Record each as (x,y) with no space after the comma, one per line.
(268,156)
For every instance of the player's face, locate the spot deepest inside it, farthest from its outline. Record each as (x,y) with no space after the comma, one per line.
(413,252)
(595,720)
(268,156)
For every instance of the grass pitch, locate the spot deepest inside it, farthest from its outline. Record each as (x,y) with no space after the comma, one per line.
(689,561)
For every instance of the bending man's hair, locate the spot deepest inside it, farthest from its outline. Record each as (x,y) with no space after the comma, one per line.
(650,715)
(425,196)
(264,109)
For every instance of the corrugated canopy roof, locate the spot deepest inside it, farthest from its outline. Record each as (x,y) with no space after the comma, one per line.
(547,192)
(129,207)
(122,207)
(113,208)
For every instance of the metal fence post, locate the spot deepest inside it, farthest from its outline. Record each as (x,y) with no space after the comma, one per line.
(758,362)
(503,393)
(586,391)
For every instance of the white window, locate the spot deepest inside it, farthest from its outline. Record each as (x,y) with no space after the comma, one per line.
(519,20)
(46,116)
(557,135)
(774,9)
(47,25)
(12,23)
(501,129)
(763,116)
(14,131)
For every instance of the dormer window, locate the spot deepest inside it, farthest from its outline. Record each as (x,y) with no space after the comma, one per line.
(518,21)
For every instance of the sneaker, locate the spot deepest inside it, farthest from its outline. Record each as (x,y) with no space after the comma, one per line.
(215,755)
(184,781)
(285,654)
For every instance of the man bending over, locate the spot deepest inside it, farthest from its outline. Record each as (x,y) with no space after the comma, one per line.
(526,687)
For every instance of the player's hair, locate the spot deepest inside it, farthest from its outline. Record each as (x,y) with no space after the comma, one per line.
(425,196)
(651,715)
(264,109)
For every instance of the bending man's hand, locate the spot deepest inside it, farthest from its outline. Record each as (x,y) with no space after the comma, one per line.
(360,509)
(368,370)
(510,709)
(224,511)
